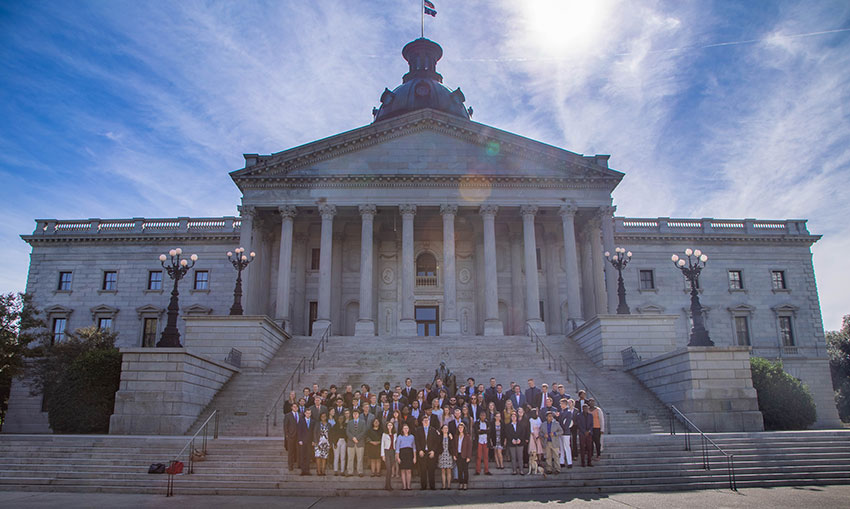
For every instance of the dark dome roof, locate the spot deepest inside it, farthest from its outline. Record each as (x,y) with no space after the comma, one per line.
(422,86)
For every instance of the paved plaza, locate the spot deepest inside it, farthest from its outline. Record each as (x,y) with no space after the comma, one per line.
(777,498)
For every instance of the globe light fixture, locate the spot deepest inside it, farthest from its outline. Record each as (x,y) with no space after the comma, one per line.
(177,267)
(619,260)
(691,268)
(239,260)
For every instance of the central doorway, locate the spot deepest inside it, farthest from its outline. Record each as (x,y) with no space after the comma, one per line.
(427,320)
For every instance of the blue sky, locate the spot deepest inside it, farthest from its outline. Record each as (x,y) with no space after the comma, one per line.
(712,109)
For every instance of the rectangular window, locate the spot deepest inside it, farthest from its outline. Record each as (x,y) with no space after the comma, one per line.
(315,255)
(742,330)
(542,307)
(785,331)
(59,325)
(65,279)
(202,280)
(149,333)
(155,280)
(110,280)
(778,277)
(104,323)
(647,280)
(539,259)
(736,280)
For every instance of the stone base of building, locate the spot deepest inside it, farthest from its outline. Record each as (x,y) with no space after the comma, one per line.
(450,328)
(537,326)
(815,374)
(319,328)
(164,390)
(493,328)
(364,328)
(604,337)
(24,413)
(407,328)
(712,386)
(257,338)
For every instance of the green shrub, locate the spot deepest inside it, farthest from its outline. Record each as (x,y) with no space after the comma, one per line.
(83,400)
(785,402)
(838,346)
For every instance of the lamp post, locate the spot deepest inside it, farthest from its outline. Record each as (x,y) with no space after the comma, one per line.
(239,261)
(619,260)
(176,268)
(691,268)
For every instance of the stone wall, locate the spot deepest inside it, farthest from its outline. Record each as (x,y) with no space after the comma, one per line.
(712,386)
(604,337)
(815,374)
(163,390)
(24,414)
(212,337)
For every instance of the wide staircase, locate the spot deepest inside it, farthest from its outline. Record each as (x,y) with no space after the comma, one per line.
(244,401)
(257,466)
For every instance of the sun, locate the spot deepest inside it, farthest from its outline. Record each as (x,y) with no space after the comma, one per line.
(559,27)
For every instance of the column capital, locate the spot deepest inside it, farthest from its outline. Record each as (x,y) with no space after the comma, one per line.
(327,210)
(247,211)
(607,212)
(488,210)
(368,210)
(448,209)
(528,210)
(287,211)
(568,210)
(407,209)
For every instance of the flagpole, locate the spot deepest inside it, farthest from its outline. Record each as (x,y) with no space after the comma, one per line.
(422,13)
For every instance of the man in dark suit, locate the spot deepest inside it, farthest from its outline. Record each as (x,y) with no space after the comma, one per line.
(518,398)
(339,404)
(435,390)
(385,415)
(532,395)
(386,392)
(290,432)
(499,398)
(396,402)
(306,429)
(318,408)
(565,419)
(476,407)
(409,392)
(429,447)
(584,421)
(490,392)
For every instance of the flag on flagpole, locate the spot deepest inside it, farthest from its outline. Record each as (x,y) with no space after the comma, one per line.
(430,10)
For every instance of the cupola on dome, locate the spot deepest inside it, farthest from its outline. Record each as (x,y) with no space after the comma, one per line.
(422,86)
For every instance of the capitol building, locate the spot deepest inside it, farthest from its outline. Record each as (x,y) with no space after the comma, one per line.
(425,225)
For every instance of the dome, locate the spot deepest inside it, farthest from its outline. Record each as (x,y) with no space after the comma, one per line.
(422,87)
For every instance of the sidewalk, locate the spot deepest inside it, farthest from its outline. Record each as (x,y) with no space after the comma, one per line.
(822,497)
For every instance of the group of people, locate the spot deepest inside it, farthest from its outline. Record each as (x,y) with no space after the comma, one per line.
(403,429)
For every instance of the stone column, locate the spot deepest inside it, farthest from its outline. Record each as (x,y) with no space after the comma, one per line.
(532,284)
(299,317)
(450,325)
(365,324)
(517,295)
(337,313)
(597,262)
(284,272)
(606,216)
(552,315)
(492,324)
(246,238)
(407,324)
(323,318)
(574,312)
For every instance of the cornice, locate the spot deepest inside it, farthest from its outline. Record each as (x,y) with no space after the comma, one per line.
(34,240)
(425,181)
(710,237)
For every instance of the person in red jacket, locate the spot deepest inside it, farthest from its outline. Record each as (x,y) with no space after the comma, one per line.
(462,453)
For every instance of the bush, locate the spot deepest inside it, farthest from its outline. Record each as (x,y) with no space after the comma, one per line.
(79,378)
(785,402)
(838,346)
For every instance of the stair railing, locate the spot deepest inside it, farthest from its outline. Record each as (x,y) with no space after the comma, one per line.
(560,364)
(304,366)
(189,450)
(705,444)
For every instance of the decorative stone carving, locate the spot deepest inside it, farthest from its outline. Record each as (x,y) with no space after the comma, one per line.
(447,208)
(407,209)
(488,210)
(464,276)
(528,210)
(327,210)
(388,276)
(368,210)
(288,211)
(568,210)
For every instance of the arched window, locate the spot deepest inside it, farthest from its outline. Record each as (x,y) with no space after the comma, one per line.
(426,270)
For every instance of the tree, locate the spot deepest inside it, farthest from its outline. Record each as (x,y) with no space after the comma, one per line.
(79,378)
(785,402)
(838,347)
(20,326)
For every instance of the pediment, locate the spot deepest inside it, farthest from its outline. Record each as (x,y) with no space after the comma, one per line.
(58,310)
(425,143)
(103,310)
(197,309)
(149,309)
(650,309)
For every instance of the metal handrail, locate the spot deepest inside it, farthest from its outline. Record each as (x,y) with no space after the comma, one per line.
(706,441)
(190,445)
(565,368)
(304,365)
